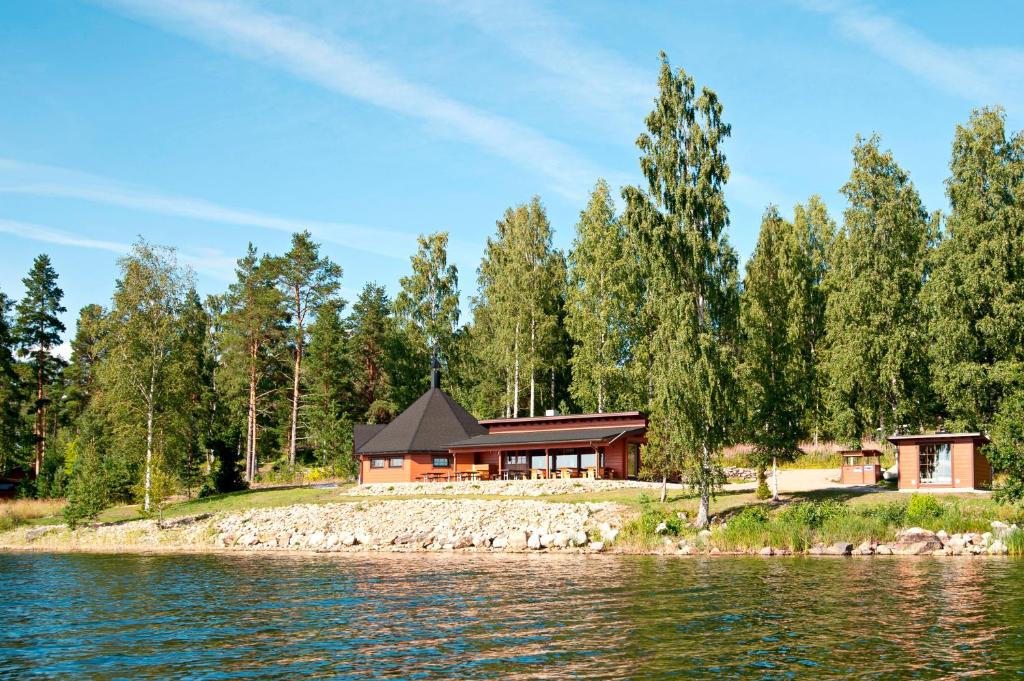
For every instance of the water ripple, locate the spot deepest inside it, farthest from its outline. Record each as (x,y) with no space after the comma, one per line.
(522,617)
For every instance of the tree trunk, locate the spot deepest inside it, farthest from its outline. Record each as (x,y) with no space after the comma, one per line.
(149,450)
(533,368)
(515,379)
(775,479)
(40,425)
(295,404)
(250,434)
(664,488)
(704,509)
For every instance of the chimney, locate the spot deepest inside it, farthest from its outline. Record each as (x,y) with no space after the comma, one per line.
(435,372)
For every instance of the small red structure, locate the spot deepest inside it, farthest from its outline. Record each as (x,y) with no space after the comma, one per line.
(861,467)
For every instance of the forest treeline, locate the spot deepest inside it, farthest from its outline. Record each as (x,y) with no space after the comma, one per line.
(889,318)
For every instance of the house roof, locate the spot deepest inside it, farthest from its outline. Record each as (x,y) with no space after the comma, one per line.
(545,437)
(363,432)
(932,437)
(428,425)
(563,417)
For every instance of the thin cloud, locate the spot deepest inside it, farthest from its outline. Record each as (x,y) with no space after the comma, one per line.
(979,75)
(284,43)
(17,177)
(586,75)
(207,260)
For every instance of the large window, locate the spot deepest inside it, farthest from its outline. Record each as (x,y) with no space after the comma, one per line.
(376,463)
(936,464)
(538,461)
(396,462)
(588,460)
(442,462)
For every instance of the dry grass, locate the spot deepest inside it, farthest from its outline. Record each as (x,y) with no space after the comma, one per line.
(821,455)
(21,511)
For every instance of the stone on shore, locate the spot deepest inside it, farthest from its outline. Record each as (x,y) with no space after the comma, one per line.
(916,541)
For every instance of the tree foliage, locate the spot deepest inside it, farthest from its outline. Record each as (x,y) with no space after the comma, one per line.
(680,222)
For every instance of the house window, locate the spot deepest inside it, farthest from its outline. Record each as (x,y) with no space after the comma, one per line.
(588,460)
(632,460)
(936,464)
(396,462)
(376,463)
(442,462)
(516,459)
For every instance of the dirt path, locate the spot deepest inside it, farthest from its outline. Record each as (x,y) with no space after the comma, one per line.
(798,480)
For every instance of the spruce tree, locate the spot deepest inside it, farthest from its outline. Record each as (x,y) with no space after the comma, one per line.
(679,221)
(10,392)
(876,362)
(329,390)
(371,331)
(975,294)
(80,375)
(38,330)
(597,304)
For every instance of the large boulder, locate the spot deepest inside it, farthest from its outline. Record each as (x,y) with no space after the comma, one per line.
(840,548)
(516,541)
(916,541)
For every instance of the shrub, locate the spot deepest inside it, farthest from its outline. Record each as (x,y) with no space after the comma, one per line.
(813,514)
(762,486)
(892,513)
(922,508)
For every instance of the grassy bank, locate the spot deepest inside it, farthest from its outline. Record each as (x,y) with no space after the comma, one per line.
(25,511)
(802,521)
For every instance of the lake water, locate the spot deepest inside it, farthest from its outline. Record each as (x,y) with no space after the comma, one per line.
(464,617)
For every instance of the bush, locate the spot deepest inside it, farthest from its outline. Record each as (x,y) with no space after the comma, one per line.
(813,514)
(923,508)
(762,486)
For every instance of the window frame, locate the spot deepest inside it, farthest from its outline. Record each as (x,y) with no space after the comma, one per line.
(378,462)
(931,450)
(436,457)
(393,459)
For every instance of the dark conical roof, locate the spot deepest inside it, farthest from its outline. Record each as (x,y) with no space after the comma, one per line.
(430,424)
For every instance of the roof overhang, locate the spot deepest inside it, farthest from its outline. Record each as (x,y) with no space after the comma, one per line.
(938,437)
(537,439)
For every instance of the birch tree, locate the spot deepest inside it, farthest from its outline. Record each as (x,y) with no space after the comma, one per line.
(679,220)
(876,361)
(307,281)
(139,374)
(975,294)
(429,297)
(597,304)
(776,369)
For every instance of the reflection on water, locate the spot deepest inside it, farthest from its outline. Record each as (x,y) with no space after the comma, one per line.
(447,616)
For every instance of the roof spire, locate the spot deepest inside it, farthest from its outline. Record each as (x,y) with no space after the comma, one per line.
(435,371)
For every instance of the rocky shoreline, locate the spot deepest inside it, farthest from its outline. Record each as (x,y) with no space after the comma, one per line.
(448,524)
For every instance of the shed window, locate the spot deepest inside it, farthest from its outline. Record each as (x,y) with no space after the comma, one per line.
(442,462)
(396,462)
(851,460)
(376,463)
(936,464)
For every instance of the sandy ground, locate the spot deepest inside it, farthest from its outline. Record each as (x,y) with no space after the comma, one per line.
(798,480)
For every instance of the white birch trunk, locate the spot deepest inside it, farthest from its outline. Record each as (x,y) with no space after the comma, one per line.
(533,368)
(149,444)
(775,479)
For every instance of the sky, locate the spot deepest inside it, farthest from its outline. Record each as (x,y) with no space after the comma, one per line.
(206,125)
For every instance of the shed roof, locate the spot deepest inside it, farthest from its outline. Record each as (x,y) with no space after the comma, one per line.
(428,425)
(545,437)
(938,437)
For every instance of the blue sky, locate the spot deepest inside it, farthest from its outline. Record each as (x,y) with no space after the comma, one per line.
(206,125)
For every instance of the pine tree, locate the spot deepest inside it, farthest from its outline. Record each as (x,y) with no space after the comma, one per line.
(876,360)
(38,329)
(252,322)
(975,294)
(80,374)
(777,371)
(597,304)
(429,298)
(679,222)
(307,281)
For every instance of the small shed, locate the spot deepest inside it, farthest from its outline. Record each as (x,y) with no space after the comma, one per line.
(952,462)
(861,467)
